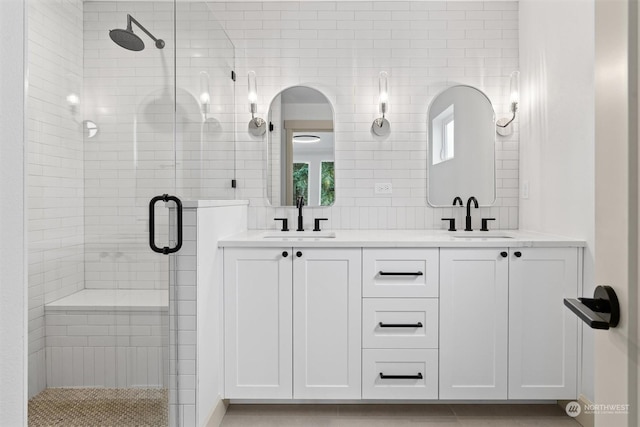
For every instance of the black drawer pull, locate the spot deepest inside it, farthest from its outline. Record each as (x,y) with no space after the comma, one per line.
(401,273)
(401,377)
(400,325)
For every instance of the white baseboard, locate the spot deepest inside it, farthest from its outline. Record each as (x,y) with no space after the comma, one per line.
(584,419)
(217,414)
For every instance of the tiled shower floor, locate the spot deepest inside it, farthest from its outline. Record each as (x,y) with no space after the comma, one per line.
(99,407)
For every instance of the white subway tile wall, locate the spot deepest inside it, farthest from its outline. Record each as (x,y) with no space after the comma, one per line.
(55,176)
(340,48)
(107,348)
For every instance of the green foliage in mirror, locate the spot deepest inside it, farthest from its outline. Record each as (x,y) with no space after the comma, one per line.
(327,183)
(300,182)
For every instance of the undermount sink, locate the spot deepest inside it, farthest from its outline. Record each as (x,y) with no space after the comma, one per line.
(299,235)
(480,235)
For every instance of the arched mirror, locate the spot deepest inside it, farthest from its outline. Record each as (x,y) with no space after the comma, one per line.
(300,148)
(461,149)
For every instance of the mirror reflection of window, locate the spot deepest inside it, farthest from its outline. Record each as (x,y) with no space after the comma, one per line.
(443,136)
(327,184)
(300,181)
(447,151)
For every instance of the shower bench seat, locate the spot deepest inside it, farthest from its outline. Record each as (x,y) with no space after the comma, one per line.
(108,338)
(113,299)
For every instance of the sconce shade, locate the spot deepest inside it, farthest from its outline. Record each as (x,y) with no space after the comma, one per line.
(381,126)
(503,125)
(257,126)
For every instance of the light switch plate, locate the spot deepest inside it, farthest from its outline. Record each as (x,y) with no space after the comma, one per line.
(384,188)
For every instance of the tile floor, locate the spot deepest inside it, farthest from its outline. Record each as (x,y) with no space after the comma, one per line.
(99,407)
(397,415)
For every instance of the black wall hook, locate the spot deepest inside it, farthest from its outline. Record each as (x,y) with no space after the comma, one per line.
(600,312)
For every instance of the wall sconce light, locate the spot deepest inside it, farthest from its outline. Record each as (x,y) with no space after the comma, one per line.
(257,126)
(205,95)
(503,125)
(73,101)
(381,126)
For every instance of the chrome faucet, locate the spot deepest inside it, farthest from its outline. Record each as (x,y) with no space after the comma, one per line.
(468,219)
(299,205)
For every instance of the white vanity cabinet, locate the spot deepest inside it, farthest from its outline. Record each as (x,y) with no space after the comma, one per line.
(473,323)
(448,322)
(543,334)
(504,332)
(257,323)
(292,323)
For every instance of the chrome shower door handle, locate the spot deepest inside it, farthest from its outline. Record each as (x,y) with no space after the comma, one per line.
(152,206)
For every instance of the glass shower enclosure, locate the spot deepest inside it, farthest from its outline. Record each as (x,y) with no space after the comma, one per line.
(130,111)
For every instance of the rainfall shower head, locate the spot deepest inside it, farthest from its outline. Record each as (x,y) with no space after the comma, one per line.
(128,40)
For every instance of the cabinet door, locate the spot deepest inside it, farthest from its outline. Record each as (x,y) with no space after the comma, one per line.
(543,334)
(258,298)
(473,323)
(326,319)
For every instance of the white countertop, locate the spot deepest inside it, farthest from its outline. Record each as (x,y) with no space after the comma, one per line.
(402,239)
(192,204)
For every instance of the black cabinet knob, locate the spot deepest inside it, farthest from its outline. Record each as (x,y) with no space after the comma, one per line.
(504,254)
(298,254)
(285,254)
(518,254)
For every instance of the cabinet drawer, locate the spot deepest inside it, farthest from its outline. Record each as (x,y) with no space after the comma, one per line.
(383,373)
(400,323)
(398,273)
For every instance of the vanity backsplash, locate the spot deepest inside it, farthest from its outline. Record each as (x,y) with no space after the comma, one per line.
(339,48)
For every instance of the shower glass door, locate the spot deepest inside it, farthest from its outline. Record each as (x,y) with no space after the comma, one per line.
(129,107)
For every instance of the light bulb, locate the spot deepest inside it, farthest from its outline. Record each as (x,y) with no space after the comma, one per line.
(205,98)
(73,99)
(252,87)
(514,97)
(383,90)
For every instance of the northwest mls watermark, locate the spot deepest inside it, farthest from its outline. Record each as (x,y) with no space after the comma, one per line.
(574,409)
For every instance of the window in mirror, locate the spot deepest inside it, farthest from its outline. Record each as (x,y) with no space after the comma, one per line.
(443,136)
(327,179)
(301,149)
(300,181)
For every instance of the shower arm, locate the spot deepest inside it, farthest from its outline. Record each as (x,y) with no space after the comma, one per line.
(131,19)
